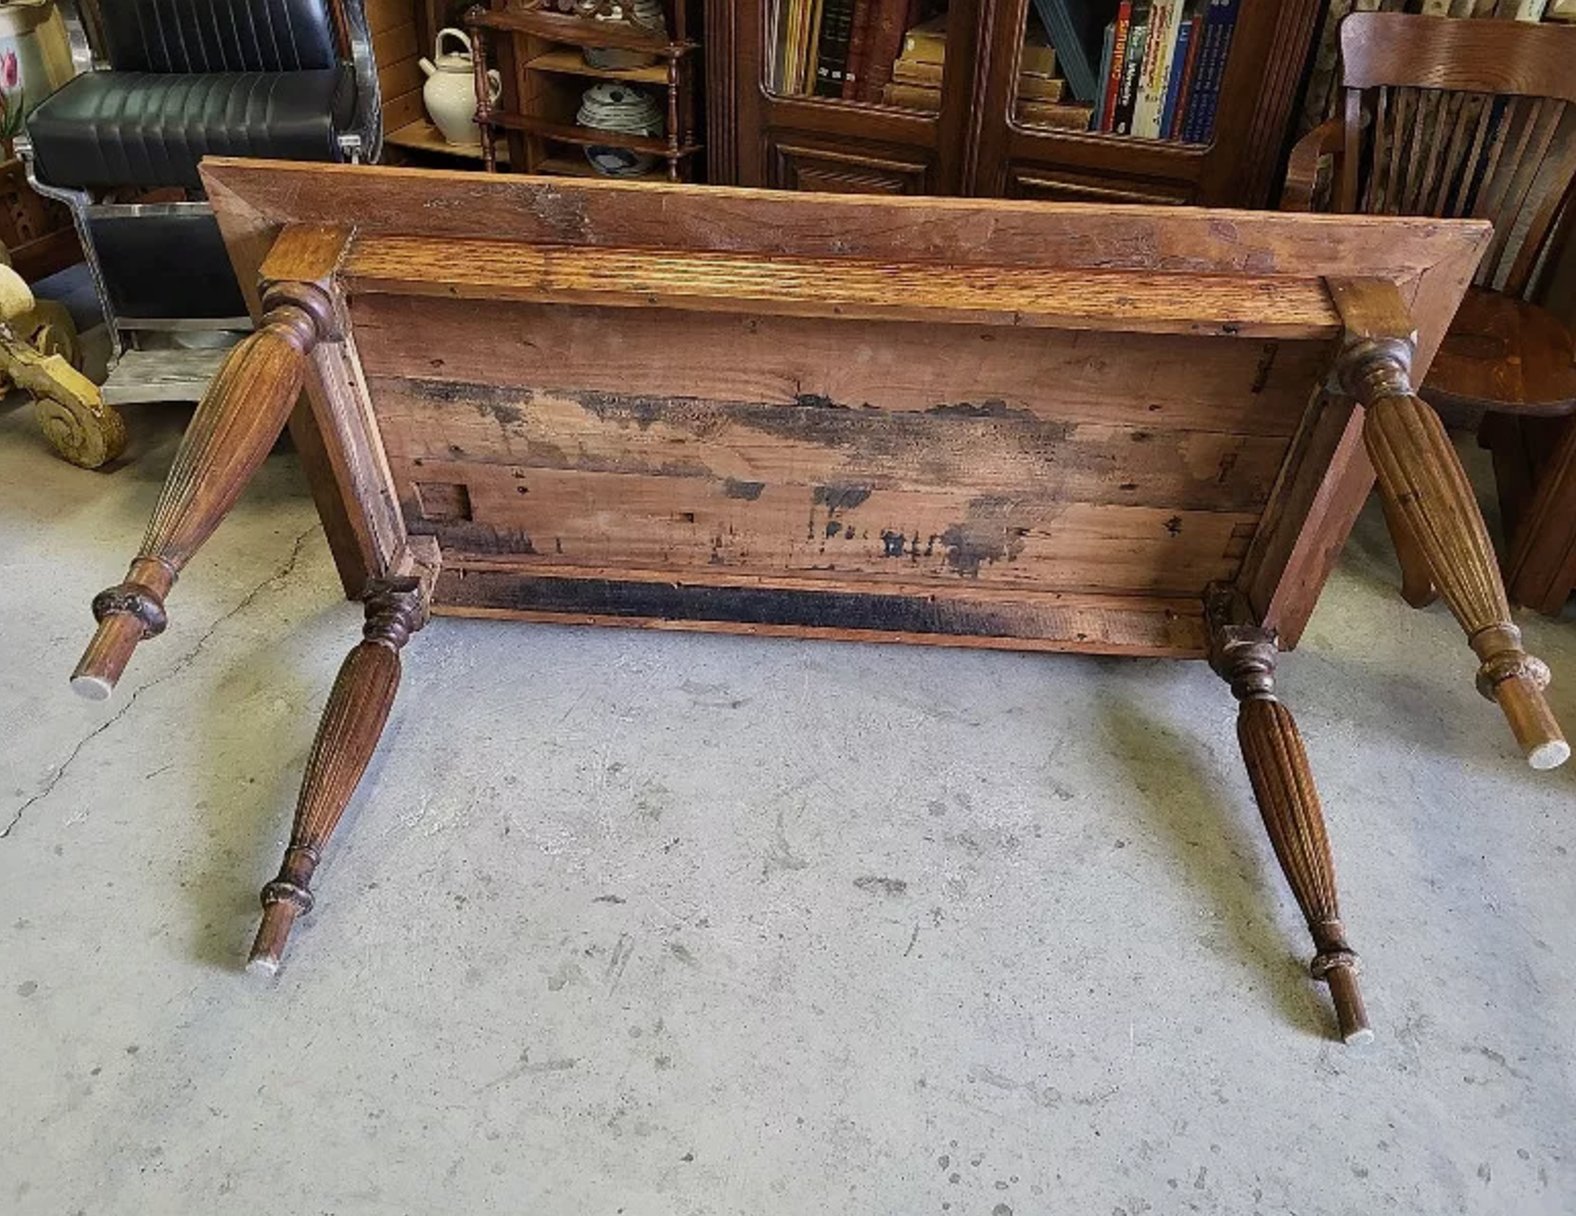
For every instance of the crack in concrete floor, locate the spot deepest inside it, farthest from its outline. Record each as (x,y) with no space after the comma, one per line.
(179,666)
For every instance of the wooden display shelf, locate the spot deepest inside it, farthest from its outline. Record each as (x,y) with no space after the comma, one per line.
(569,62)
(569,166)
(423,136)
(578,31)
(542,69)
(588,137)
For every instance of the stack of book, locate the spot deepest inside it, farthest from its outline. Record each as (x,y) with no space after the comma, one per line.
(1162,68)
(917,72)
(839,48)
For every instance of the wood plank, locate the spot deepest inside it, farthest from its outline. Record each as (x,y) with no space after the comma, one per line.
(991,449)
(679,524)
(999,232)
(386,14)
(395,43)
(403,111)
(1312,511)
(1177,383)
(845,287)
(718,603)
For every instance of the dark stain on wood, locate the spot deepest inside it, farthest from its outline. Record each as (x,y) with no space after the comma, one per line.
(947,444)
(748,605)
(1261,375)
(993,408)
(991,533)
(749,491)
(840,498)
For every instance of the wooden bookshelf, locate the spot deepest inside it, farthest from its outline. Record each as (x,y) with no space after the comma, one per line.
(975,143)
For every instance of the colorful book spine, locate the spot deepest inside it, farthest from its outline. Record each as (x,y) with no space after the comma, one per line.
(837,27)
(1113,81)
(1107,50)
(1164,21)
(1219,25)
(1179,63)
(858,48)
(1132,63)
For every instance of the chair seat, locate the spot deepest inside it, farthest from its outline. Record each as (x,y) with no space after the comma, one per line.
(1505,354)
(143,129)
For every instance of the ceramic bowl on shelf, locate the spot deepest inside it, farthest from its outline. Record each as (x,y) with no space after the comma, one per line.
(614,107)
(646,14)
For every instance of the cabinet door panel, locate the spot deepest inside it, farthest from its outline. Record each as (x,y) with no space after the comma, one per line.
(1057,185)
(796,164)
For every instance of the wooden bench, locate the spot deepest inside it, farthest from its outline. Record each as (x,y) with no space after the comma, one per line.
(1122,431)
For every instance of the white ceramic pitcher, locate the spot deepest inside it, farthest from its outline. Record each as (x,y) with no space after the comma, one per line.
(450,91)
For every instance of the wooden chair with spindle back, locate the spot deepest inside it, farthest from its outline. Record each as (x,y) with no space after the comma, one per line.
(1452,117)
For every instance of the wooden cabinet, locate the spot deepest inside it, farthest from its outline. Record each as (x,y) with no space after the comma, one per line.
(975,144)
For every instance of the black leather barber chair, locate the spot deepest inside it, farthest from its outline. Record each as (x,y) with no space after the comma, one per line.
(179,80)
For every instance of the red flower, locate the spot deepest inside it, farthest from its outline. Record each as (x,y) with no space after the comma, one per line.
(10,74)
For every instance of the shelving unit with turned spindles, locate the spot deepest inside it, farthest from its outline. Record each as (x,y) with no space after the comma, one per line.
(540,54)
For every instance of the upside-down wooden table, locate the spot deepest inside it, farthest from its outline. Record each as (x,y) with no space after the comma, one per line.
(1106,430)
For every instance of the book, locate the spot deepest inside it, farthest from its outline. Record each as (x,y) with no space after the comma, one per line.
(858,48)
(928,42)
(1041,88)
(811,51)
(1113,82)
(1127,89)
(1165,20)
(912,97)
(1106,53)
(888,21)
(916,71)
(837,26)
(928,75)
(1076,28)
(1039,56)
(1181,59)
(1069,116)
(788,57)
(1220,23)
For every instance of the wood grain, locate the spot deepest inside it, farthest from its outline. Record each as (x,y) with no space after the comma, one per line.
(237,422)
(1130,301)
(353,720)
(1245,655)
(1421,476)
(965,232)
(992,449)
(1237,387)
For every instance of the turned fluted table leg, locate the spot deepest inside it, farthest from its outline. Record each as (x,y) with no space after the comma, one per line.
(240,417)
(353,721)
(1245,657)
(1425,488)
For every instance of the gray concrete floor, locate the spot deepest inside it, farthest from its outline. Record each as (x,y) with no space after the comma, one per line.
(661,924)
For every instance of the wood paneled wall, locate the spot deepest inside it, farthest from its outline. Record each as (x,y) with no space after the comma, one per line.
(397,44)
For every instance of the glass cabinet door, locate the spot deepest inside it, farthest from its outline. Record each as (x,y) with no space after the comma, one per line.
(1141,69)
(890,53)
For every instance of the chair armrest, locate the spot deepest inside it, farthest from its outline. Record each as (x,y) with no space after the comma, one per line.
(1302,170)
